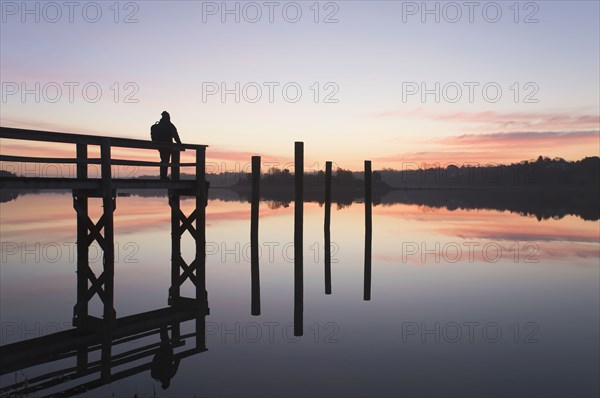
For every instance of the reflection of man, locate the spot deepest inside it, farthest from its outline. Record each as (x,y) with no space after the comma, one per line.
(167,132)
(164,366)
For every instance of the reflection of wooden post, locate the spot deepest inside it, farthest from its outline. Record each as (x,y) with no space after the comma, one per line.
(327,229)
(368,230)
(254,270)
(201,332)
(298,240)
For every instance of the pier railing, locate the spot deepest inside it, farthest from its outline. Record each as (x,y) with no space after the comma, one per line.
(81,159)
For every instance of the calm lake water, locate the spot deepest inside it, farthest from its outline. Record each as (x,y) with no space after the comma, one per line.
(464,302)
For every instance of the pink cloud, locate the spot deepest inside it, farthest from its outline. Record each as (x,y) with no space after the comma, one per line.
(503,147)
(542,138)
(505,121)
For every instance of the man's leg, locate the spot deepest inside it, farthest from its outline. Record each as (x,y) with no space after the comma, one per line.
(165,156)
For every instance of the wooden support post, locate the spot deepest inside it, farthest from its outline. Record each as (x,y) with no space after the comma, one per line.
(174,290)
(108,204)
(176,170)
(327,227)
(254,260)
(175,203)
(298,240)
(81,308)
(82,237)
(201,202)
(176,259)
(368,230)
(109,255)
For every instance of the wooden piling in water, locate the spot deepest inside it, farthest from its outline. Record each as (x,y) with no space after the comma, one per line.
(201,202)
(81,204)
(327,229)
(108,205)
(368,230)
(254,254)
(298,239)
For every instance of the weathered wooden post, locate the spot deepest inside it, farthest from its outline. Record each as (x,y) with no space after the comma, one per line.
(175,204)
(109,255)
(201,202)
(81,205)
(368,230)
(254,254)
(327,227)
(298,239)
(175,167)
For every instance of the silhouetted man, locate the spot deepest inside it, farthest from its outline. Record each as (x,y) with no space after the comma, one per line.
(166,132)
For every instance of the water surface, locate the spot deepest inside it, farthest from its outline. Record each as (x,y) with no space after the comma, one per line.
(464,302)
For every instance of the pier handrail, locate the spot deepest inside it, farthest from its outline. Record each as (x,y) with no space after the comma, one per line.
(71,138)
(84,139)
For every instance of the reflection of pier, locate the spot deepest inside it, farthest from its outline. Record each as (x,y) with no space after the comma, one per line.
(104,330)
(159,356)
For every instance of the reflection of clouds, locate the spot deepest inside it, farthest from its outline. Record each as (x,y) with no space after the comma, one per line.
(487,251)
(502,232)
(570,251)
(569,237)
(429,213)
(465,252)
(493,224)
(51,217)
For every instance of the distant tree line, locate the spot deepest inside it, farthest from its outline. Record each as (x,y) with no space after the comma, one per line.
(543,172)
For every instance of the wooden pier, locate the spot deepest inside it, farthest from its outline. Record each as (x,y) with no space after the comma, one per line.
(103,329)
(100,332)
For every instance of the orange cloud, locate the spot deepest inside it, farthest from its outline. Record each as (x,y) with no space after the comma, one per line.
(504,147)
(505,121)
(546,139)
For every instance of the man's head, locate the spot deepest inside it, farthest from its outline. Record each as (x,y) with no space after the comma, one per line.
(166,115)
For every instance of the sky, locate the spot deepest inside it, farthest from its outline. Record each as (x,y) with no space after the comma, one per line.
(394,82)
